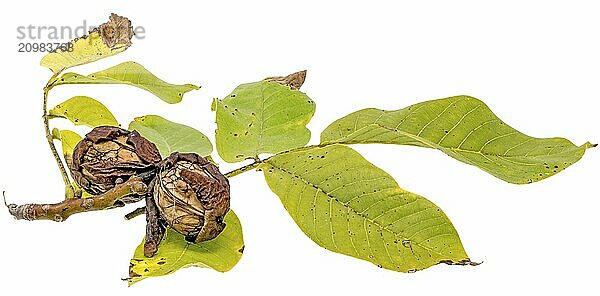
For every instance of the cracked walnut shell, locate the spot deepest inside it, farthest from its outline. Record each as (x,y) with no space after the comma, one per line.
(109,155)
(192,196)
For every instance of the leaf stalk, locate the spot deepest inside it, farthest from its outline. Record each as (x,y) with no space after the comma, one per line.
(244,169)
(69,191)
(258,161)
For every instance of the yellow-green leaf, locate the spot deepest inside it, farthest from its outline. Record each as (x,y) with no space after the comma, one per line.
(261,117)
(107,40)
(349,206)
(465,129)
(171,137)
(174,253)
(68,140)
(82,110)
(134,74)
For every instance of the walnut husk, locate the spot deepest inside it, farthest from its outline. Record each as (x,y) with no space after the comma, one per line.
(109,155)
(192,196)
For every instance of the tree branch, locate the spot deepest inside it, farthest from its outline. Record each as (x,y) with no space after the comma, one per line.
(62,210)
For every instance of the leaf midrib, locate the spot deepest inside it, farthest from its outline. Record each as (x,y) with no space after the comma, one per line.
(434,146)
(143,85)
(261,131)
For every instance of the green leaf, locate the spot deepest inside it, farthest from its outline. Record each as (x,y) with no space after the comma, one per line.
(261,117)
(134,74)
(174,252)
(99,44)
(171,137)
(349,206)
(82,110)
(465,129)
(69,140)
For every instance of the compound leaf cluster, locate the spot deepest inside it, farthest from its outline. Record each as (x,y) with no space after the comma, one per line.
(338,198)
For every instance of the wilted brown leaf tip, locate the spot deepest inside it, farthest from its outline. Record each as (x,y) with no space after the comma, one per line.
(117,31)
(294,80)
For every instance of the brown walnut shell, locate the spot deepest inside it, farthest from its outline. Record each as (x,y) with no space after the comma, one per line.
(109,155)
(192,196)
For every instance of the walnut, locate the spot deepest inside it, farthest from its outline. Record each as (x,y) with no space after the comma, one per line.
(192,196)
(109,155)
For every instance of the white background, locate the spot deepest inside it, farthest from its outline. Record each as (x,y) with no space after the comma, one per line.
(535,63)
